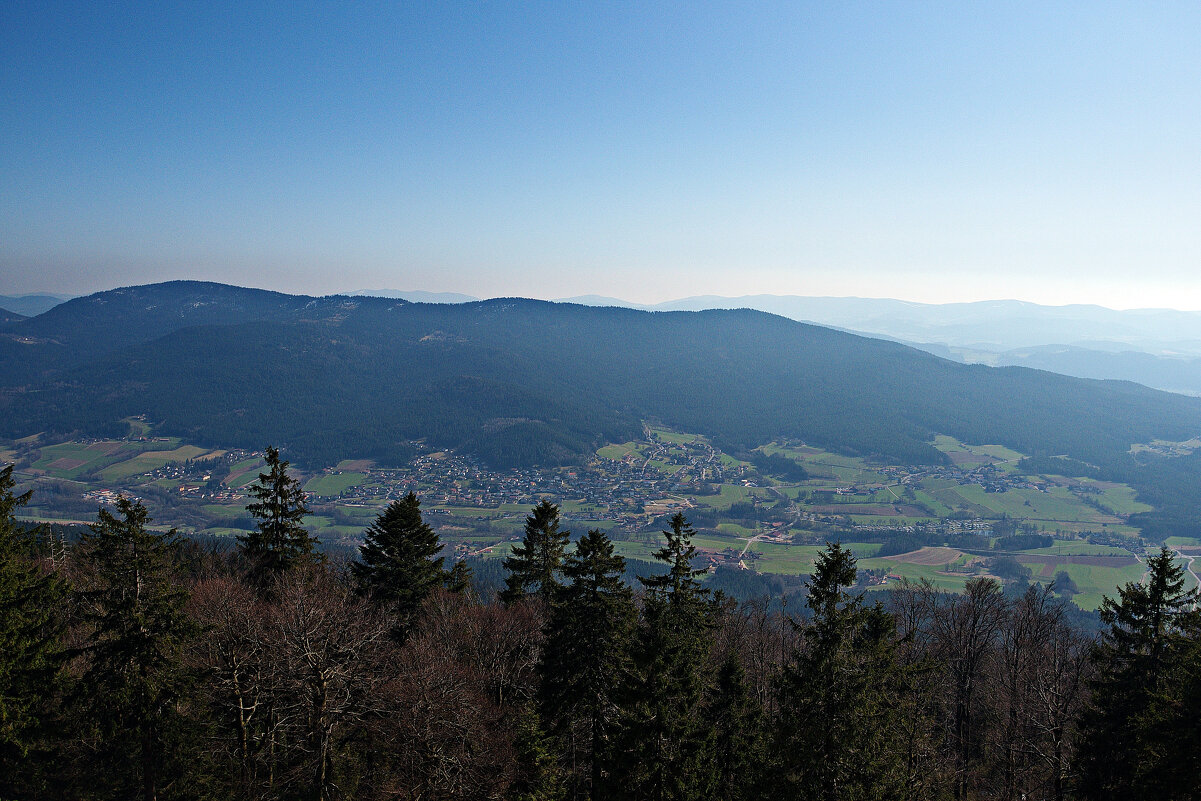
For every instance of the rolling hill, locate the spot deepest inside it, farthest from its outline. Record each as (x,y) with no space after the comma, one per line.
(522,382)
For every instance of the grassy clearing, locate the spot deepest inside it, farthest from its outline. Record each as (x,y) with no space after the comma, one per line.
(151,460)
(675,437)
(1079,548)
(1096,582)
(334,484)
(619,452)
(70,459)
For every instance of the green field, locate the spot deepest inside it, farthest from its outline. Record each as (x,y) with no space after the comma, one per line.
(151,460)
(70,459)
(334,484)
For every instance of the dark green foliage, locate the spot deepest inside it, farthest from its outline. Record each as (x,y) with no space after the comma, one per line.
(777,465)
(1025,541)
(1064,585)
(135,678)
(400,564)
(536,563)
(538,776)
(667,742)
(459,578)
(835,737)
(1056,466)
(1008,568)
(280,541)
(363,375)
(586,660)
(739,742)
(1147,676)
(31,649)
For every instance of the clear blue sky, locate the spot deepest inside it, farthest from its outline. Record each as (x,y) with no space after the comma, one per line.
(929,151)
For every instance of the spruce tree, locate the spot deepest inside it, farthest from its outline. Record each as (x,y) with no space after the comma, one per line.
(667,742)
(834,738)
(738,747)
(536,563)
(135,677)
(31,649)
(280,541)
(1131,725)
(458,578)
(400,564)
(586,659)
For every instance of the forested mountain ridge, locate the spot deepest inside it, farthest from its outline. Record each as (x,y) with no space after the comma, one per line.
(523,382)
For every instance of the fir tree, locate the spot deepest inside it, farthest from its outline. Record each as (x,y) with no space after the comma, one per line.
(536,563)
(135,677)
(667,747)
(31,650)
(538,777)
(400,564)
(458,578)
(280,540)
(737,720)
(1131,724)
(834,738)
(585,660)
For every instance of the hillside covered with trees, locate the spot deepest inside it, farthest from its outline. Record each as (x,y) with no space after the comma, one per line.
(135,664)
(520,382)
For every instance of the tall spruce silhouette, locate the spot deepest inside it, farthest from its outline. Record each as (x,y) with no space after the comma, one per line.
(399,564)
(280,539)
(537,563)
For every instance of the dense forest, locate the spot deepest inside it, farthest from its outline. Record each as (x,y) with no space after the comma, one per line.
(136,664)
(521,382)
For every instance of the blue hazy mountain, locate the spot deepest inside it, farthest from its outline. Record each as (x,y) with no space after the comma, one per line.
(31,305)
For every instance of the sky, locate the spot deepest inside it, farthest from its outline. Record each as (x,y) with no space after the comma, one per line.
(934,152)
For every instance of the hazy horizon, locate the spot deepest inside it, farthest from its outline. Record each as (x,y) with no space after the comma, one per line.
(942,154)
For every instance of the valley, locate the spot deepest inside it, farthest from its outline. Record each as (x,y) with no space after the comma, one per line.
(768,511)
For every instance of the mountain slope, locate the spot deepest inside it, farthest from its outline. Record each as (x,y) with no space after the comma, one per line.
(7,316)
(31,305)
(520,381)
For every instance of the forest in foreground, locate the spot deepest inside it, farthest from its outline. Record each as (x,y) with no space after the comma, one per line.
(138,664)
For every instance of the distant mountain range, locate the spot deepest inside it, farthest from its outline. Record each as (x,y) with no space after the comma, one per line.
(1160,348)
(31,305)
(522,382)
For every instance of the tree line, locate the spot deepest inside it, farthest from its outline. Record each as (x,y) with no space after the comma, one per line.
(139,664)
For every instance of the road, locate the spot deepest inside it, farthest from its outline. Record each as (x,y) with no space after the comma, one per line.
(1188,566)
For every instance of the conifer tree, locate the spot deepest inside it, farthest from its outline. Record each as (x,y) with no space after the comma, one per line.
(536,563)
(458,578)
(738,748)
(667,744)
(400,563)
(586,659)
(538,776)
(31,650)
(280,540)
(135,676)
(834,739)
(1131,726)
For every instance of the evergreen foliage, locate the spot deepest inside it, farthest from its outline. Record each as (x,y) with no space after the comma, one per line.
(739,746)
(280,539)
(667,743)
(135,677)
(536,564)
(1147,677)
(585,662)
(399,563)
(31,649)
(834,740)
(459,578)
